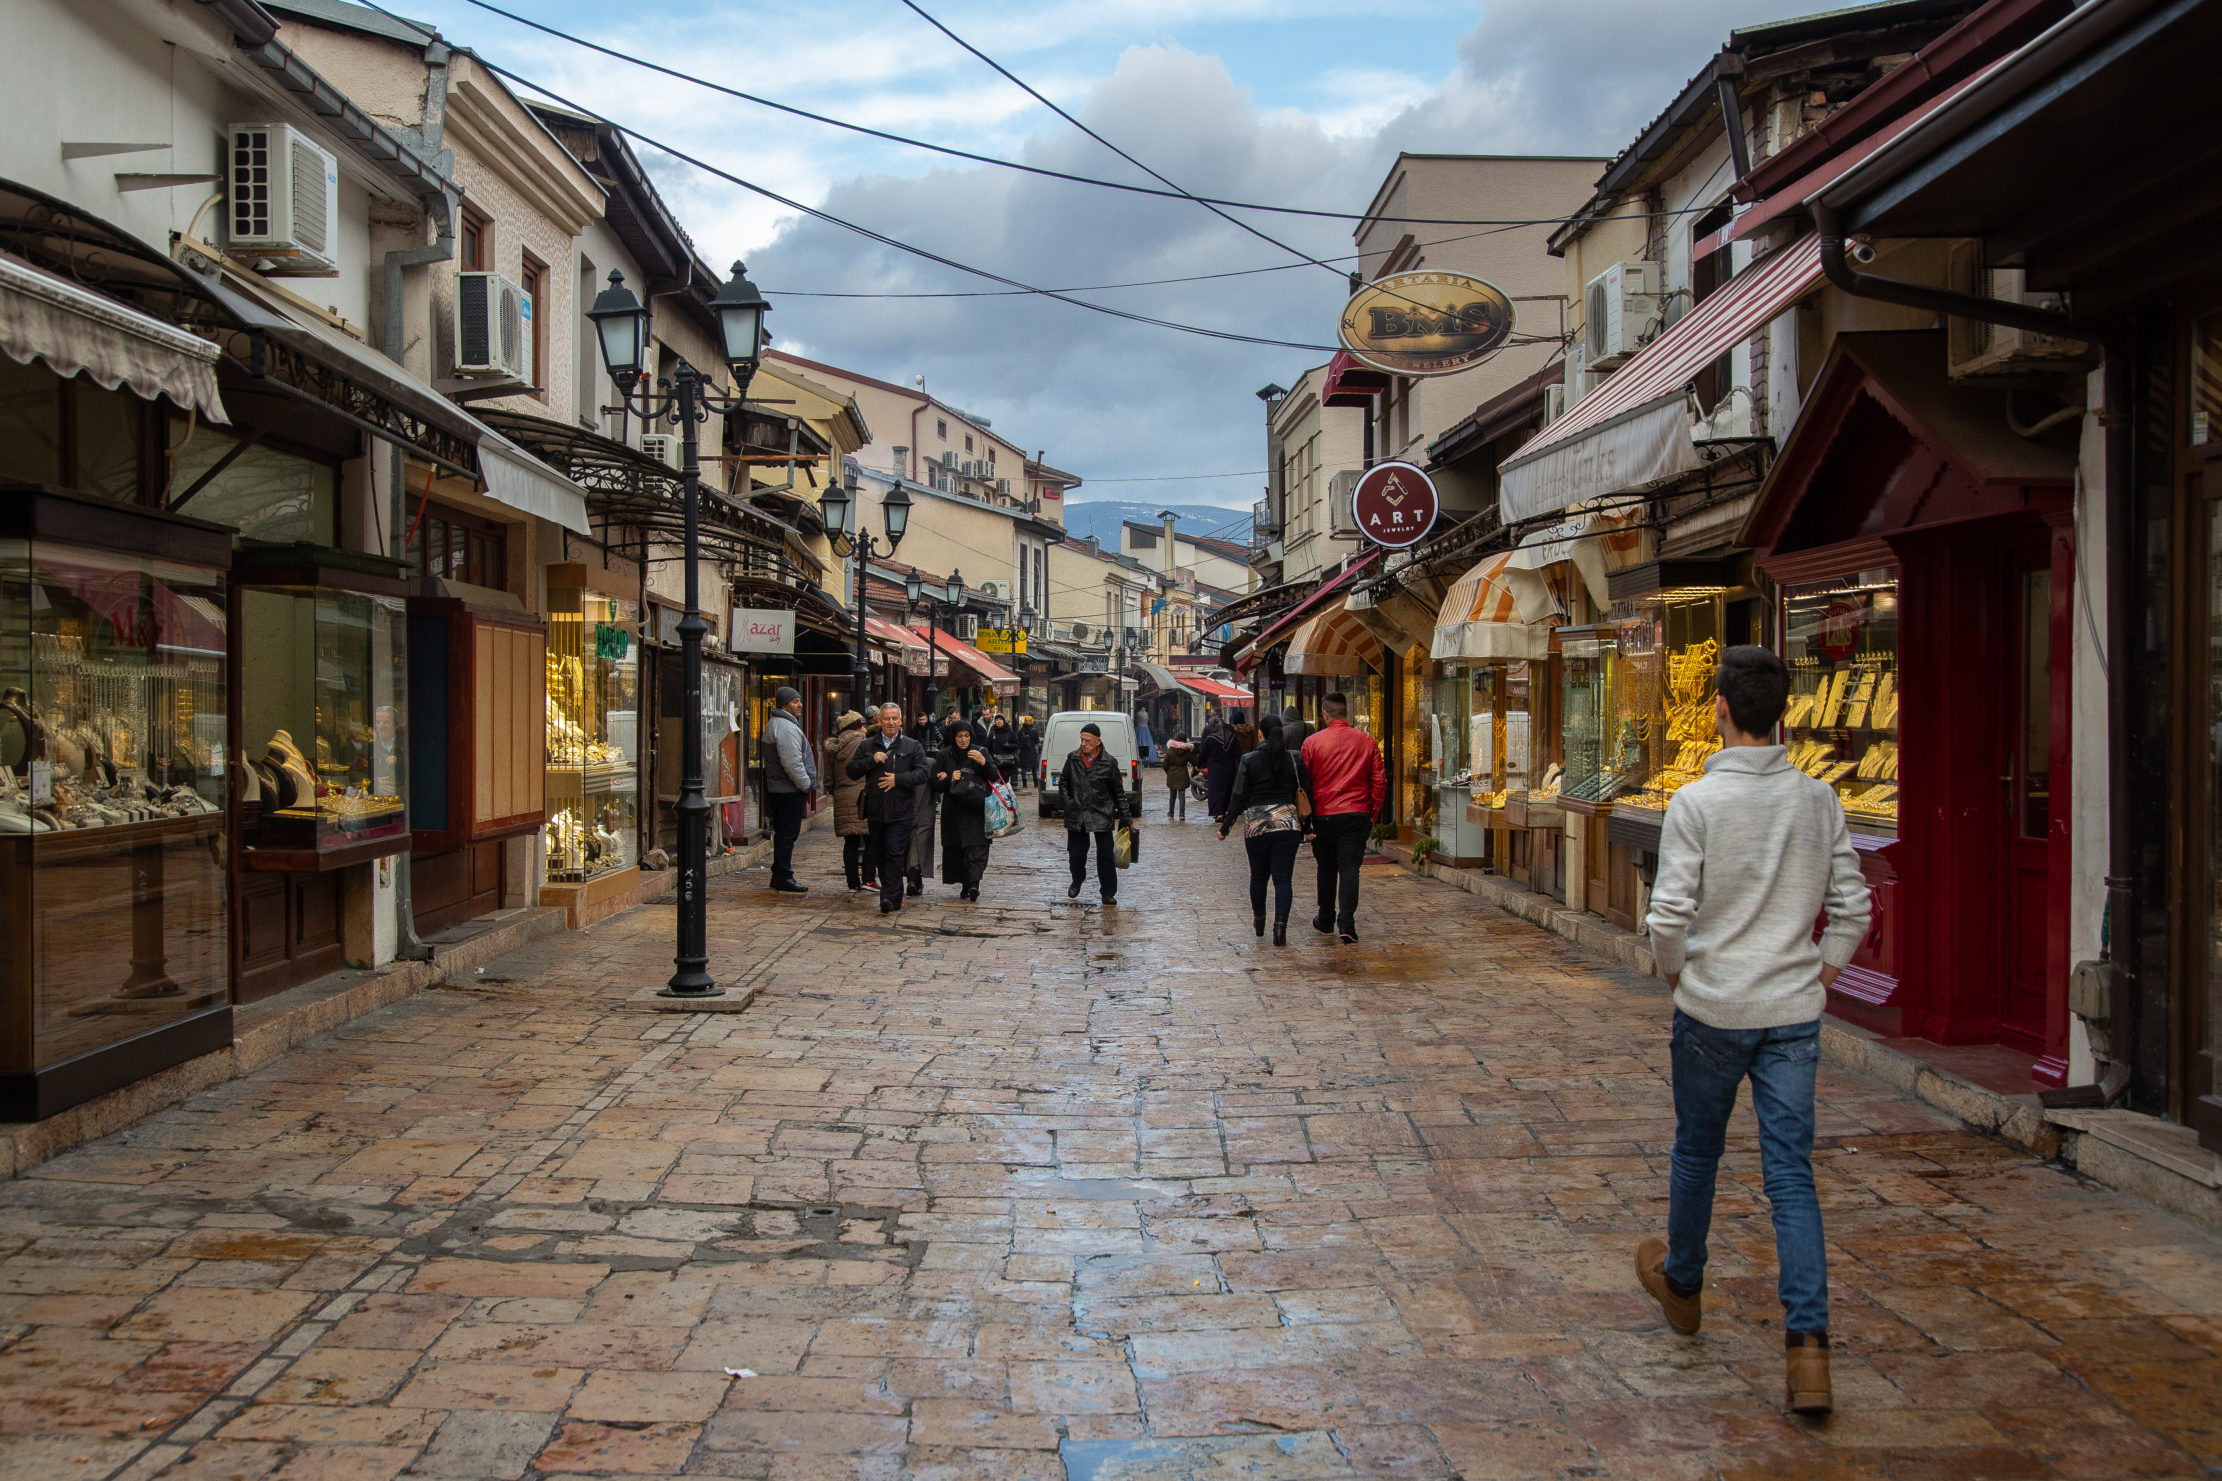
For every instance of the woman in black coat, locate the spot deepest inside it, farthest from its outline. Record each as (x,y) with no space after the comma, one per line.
(963,774)
(1218,756)
(1264,807)
(1028,739)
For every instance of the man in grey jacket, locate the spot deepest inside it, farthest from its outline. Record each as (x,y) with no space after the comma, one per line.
(1752,853)
(789,778)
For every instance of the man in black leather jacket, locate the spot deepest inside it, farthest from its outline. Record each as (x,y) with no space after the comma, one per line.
(1094,795)
(893,766)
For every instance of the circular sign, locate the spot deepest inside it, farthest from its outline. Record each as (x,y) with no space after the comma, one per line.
(1394,505)
(1425,323)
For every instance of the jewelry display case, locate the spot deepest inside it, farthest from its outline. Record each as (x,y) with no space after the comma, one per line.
(1590,734)
(1670,645)
(1840,639)
(593,734)
(113,748)
(325,724)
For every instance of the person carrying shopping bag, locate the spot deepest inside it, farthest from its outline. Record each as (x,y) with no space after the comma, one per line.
(964,775)
(892,767)
(1272,806)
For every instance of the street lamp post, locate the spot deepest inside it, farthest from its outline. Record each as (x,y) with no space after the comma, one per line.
(621,327)
(844,519)
(914,589)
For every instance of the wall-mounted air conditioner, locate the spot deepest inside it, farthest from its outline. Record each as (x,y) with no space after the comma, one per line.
(995,591)
(1079,632)
(1974,349)
(283,193)
(1622,313)
(1003,487)
(968,625)
(493,320)
(662,446)
(1342,520)
(949,460)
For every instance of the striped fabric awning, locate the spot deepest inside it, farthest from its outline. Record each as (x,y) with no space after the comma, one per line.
(1497,610)
(1334,642)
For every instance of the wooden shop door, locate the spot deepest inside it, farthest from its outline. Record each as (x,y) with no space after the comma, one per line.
(2026,775)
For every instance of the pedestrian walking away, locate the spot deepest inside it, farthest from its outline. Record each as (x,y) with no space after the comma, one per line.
(893,768)
(1029,749)
(1270,805)
(1750,855)
(1245,734)
(1219,757)
(1180,755)
(789,778)
(1094,796)
(963,776)
(1349,784)
(1294,729)
(849,823)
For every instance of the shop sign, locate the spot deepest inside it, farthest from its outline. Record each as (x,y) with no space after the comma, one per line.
(1425,323)
(1010,640)
(1094,663)
(1394,505)
(761,631)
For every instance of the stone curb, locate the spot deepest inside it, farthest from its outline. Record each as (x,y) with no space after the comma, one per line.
(263,1032)
(2140,1155)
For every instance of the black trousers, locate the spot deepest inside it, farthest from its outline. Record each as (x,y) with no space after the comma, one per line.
(1176,803)
(1107,871)
(891,846)
(1339,844)
(785,810)
(858,861)
(1273,858)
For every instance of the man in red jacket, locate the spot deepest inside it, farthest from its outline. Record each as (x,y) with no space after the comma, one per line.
(1349,784)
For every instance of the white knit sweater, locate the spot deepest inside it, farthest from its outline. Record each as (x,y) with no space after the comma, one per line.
(1753,852)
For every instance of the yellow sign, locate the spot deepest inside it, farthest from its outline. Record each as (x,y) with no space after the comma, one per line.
(1011,640)
(1425,323)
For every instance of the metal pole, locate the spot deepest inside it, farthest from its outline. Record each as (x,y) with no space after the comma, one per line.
(933,652)
(692,979)
(862,673)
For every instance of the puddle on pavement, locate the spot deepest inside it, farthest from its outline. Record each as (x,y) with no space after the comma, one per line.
(1161,1459)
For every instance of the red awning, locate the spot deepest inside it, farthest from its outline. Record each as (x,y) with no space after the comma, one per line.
(991,673)
(1247,659)
(1635,427)
(1351,382)
(1212,688)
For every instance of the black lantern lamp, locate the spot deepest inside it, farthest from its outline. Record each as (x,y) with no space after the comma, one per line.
(914,586)
(621,330)
(845,531)
(834,507)
(956,588)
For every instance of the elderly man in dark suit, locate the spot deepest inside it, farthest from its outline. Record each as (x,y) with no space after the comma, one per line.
(893,766)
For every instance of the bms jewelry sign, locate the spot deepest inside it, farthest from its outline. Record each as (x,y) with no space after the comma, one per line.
(1425,323)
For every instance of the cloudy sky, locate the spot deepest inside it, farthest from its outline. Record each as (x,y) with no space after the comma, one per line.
(1284,102)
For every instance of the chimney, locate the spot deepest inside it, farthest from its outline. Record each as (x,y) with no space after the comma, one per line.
(1170,521)
(902,461)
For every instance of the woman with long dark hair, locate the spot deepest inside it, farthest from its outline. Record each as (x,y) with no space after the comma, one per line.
(1219,756)
(963,775)
(1270,799)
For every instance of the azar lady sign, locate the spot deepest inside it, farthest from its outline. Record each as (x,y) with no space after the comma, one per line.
(1425,323)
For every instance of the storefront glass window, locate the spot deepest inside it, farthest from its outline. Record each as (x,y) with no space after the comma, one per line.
(1670,643)
(1587,662)
(325,720)
(593,734)
(112,748)
(30,423)
(1840,638)
(2206,381)
(1515,738)
(265,493)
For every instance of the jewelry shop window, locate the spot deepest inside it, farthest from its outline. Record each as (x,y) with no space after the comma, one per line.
(1589,658)
(1670,645)
(593,715)
(1840,639)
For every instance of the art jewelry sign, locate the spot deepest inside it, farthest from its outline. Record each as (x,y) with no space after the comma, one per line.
(1425,323)
(762,632)
(1010,640)
(1394,505)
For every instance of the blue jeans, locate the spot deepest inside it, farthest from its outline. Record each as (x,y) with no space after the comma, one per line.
(1709,1063)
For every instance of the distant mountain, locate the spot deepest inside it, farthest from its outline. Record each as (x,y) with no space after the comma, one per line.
(1100,518)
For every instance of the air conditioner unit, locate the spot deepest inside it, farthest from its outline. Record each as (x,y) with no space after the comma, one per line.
(284,201)
(1554,404)
(949,460)
(1079,631)
(1622,312)
(1003,487)
(662,446)
(968,625)
(1974,349)
(493,319)
(1342,520)
(995,591)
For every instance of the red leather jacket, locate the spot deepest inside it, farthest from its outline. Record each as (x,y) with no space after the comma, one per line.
(1347,772)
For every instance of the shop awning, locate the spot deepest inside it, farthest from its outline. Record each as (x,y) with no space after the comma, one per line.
(1247,658)
(1636,426)
(991,673)
(1214,688)
(520,480)
(907,647)
(1160,677)
(1595,542)
(1497,610)
(1334,642)
(1351,382)
(79,332)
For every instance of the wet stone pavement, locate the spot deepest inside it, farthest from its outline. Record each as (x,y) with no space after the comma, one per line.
(1028,1189)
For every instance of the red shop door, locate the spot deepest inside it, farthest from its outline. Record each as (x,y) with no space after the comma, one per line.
(2027,776)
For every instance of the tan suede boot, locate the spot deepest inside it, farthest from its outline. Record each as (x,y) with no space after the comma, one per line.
(1806,1381)
(1683,1313)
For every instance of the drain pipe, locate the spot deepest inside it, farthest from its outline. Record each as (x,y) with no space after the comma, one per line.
(1836,265)
(408,946)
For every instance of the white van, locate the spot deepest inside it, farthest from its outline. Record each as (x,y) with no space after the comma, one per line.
(1061,737)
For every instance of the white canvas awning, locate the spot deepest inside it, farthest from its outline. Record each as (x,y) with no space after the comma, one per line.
(1496,610)
(79,332)
(520,480)
(1636,426)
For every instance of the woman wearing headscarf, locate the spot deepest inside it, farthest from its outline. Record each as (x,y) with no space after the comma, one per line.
(1245,734)
(1264,807)
(1219,756)
(963,775)
(849,822)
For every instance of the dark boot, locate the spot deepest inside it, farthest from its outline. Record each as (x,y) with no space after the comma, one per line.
(1280,930)
(1257,921)
(917,884)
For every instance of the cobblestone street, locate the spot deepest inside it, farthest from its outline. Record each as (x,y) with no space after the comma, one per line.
(1024,1189)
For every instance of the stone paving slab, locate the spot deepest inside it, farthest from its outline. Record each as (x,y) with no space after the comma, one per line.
(1041,1189)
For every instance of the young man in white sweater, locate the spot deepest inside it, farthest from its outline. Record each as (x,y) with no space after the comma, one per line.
(1752,854)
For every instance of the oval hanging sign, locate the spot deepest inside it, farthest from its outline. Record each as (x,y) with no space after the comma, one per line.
(1394,505)
(1425,323)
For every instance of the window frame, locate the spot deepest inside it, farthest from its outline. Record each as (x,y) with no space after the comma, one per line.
(533,277)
